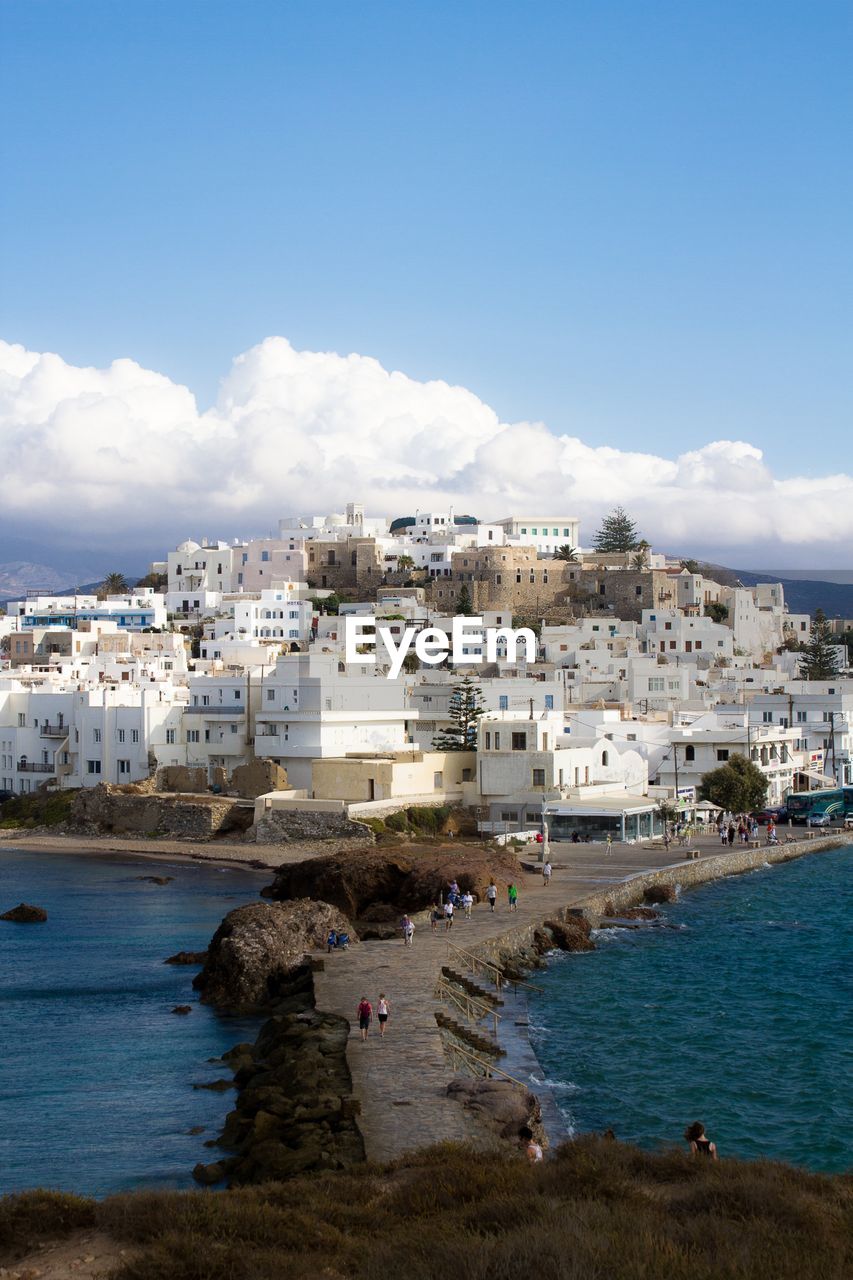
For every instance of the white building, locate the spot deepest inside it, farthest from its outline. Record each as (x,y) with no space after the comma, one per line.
(546,533)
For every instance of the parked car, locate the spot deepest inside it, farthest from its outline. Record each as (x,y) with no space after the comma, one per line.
(775,813)
(819,820)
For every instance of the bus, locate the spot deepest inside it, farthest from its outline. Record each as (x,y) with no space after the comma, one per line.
(836,802)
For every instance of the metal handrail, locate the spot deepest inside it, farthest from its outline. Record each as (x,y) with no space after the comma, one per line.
(497,974)
(486,1069)
(473,1009)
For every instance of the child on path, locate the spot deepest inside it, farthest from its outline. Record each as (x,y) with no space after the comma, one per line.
(492,895)
(364,1014)
(382,1010)
(512,896)
(609,844)
(407,926)
(546,874)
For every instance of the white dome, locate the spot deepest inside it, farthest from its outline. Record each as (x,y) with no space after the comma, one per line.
(189,545)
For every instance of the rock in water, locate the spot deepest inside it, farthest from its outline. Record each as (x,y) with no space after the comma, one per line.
(24,913)
(258,947)
(182,1008)
(661,893)
(187,957)
(155,879)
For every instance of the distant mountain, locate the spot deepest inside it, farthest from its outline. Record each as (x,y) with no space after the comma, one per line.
(805,595)
(20,576)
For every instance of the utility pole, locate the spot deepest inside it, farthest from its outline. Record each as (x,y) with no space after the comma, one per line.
(832,745)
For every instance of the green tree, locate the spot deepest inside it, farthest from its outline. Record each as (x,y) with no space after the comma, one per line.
(464,604)
(566,552)
(411,663)
(404,563)
(618,532)
(464,712)
(820,655)
(692,566)
(640,558)
(156,581)
(739,786)
(717,610)
(114,584)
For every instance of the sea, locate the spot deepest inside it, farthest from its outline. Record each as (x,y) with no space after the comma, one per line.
(96,1072)
(735,1010)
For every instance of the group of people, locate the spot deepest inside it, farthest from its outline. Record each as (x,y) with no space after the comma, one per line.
(743,828)
(694,1135)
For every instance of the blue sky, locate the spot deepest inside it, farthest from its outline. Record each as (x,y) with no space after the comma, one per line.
(628,220)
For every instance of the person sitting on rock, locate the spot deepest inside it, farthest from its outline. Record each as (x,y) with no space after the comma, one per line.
(530,1146)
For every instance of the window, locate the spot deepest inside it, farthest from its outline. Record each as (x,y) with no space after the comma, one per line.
(192,735)
(22,720)
(234,728)
(93,766)
(689,753)
(96,735)
(497,742)
(539,777)
(605,759)
(722,753)
(134,735)
(270,695)
(656,684)
(124,766)
(237,695)
(503,702)
(121,735)
(170,737)
(801,717)
(767,717)
(519,741)
(438,780)
(488,741)
(549,702)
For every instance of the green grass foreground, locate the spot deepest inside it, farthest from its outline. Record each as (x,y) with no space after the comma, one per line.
(596,1211)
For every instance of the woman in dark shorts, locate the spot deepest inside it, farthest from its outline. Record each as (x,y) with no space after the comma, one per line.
(382,1010)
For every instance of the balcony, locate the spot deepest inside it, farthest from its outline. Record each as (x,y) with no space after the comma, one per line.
(53,730)
(214,712)
(25,767)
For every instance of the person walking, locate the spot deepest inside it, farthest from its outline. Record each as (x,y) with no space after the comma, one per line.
(448,915)
(492,895)
(467,903)
(512,897)
(364,1014)
(383,1008)
(436,916)
(407,925)
(609,844)
(546,874)
(700,1145)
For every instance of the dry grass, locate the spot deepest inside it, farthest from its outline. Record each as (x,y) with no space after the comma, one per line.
(598,1211)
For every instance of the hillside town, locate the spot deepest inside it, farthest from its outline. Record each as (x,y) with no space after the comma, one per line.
(648,674)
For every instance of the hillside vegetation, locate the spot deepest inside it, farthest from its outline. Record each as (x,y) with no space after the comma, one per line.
(598,1210)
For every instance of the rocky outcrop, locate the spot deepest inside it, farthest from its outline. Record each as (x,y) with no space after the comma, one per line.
(661,893)
(571,934)
(294,1112)
(257,949)
(24,913)
(377,883)
(503,1107)
(630,913)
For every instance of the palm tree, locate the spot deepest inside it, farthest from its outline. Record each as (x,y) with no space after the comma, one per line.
(566,552)
(114,584)
(640,559)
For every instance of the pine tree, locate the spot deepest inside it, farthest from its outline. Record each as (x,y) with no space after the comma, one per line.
(820,656)
(618,532)
(466,708)
(464,605)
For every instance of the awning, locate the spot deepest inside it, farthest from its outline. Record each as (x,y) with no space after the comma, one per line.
(818,777)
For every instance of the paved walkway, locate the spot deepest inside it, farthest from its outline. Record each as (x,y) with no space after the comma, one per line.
(401,1081)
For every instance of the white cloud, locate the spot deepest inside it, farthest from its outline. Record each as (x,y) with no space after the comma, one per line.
(124,452)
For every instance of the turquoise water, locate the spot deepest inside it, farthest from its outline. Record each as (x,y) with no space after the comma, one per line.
(96,1073)
(739,1016)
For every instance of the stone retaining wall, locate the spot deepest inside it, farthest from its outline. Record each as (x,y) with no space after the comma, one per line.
(519,943)
(113,811)
(286,826)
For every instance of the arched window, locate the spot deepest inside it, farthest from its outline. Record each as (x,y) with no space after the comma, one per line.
(605,759)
